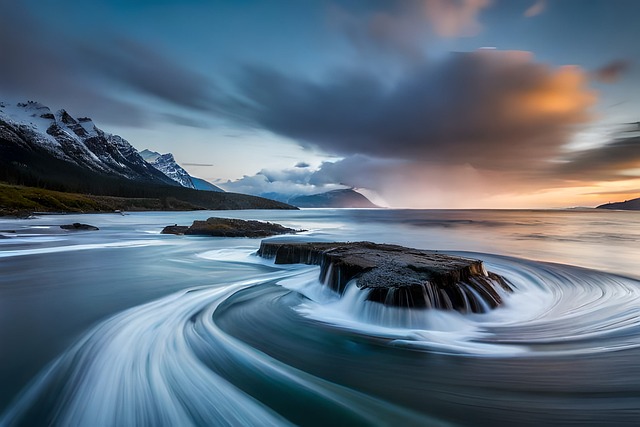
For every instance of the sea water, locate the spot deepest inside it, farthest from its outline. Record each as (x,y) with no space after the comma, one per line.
(126,326)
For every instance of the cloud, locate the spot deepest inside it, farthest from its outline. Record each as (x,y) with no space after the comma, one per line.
(401,28)
(147,71)
(613,71)
(630,191)
(483,108)
(536,8)
(454,18)
(419,183)
(381,33)
(280,184)
(183,120)
(42,65)
(470,130)
(400,183)
(619,159)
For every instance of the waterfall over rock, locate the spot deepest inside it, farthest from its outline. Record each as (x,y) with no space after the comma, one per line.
(397,276)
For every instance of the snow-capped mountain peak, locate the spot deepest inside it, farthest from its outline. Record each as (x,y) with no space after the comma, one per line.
(166,164)
(33,127)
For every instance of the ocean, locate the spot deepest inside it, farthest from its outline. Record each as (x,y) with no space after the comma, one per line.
(126,326)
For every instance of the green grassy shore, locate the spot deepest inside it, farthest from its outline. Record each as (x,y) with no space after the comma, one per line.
(22,201)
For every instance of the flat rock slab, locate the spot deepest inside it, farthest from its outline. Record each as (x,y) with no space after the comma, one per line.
(397,276)
(226,227)
(78,226)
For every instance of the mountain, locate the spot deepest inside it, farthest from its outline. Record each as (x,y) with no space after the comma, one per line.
(55,151)
(346,198)
(166,164)
(37,144)
(627,205)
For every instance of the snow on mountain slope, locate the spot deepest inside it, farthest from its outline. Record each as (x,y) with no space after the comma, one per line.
(166,164)
(202,184)
(32,126)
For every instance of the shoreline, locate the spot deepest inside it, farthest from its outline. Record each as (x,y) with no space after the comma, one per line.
(22,202)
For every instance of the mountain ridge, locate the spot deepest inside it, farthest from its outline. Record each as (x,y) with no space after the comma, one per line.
(627,205)
(33,127)
(342,198)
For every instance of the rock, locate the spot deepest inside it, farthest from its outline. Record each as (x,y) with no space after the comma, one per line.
(78,226)
(226,227)
(175,229)
(397,276)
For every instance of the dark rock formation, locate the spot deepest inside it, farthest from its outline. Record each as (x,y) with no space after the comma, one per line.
(226,227)
(79,226)
(395,275)
(175,229)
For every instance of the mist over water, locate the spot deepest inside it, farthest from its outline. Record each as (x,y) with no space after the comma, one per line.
(125,326)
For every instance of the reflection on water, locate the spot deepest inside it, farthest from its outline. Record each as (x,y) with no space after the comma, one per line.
(172,330)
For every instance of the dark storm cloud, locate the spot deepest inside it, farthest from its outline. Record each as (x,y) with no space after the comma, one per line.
(148,71)
(38,64)
(613,71)
(357,171)
(618,159)
(485,108)
(42,64)
(28,58)
(183,121)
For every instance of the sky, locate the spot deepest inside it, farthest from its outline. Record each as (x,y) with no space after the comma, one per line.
(415,103)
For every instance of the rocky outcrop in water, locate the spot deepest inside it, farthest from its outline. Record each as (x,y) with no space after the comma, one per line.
(76,226)
(397,276)
(227,227)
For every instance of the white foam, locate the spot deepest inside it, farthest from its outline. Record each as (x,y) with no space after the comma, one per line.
(72,248)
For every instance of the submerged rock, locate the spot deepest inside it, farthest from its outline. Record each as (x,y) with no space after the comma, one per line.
(397,276)
(79,226)
(226,227)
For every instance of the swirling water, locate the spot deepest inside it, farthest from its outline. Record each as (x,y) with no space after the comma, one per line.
(125,326)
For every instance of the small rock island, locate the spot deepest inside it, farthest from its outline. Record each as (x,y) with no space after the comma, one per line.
(76,226)
(397,276)
(227,227)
